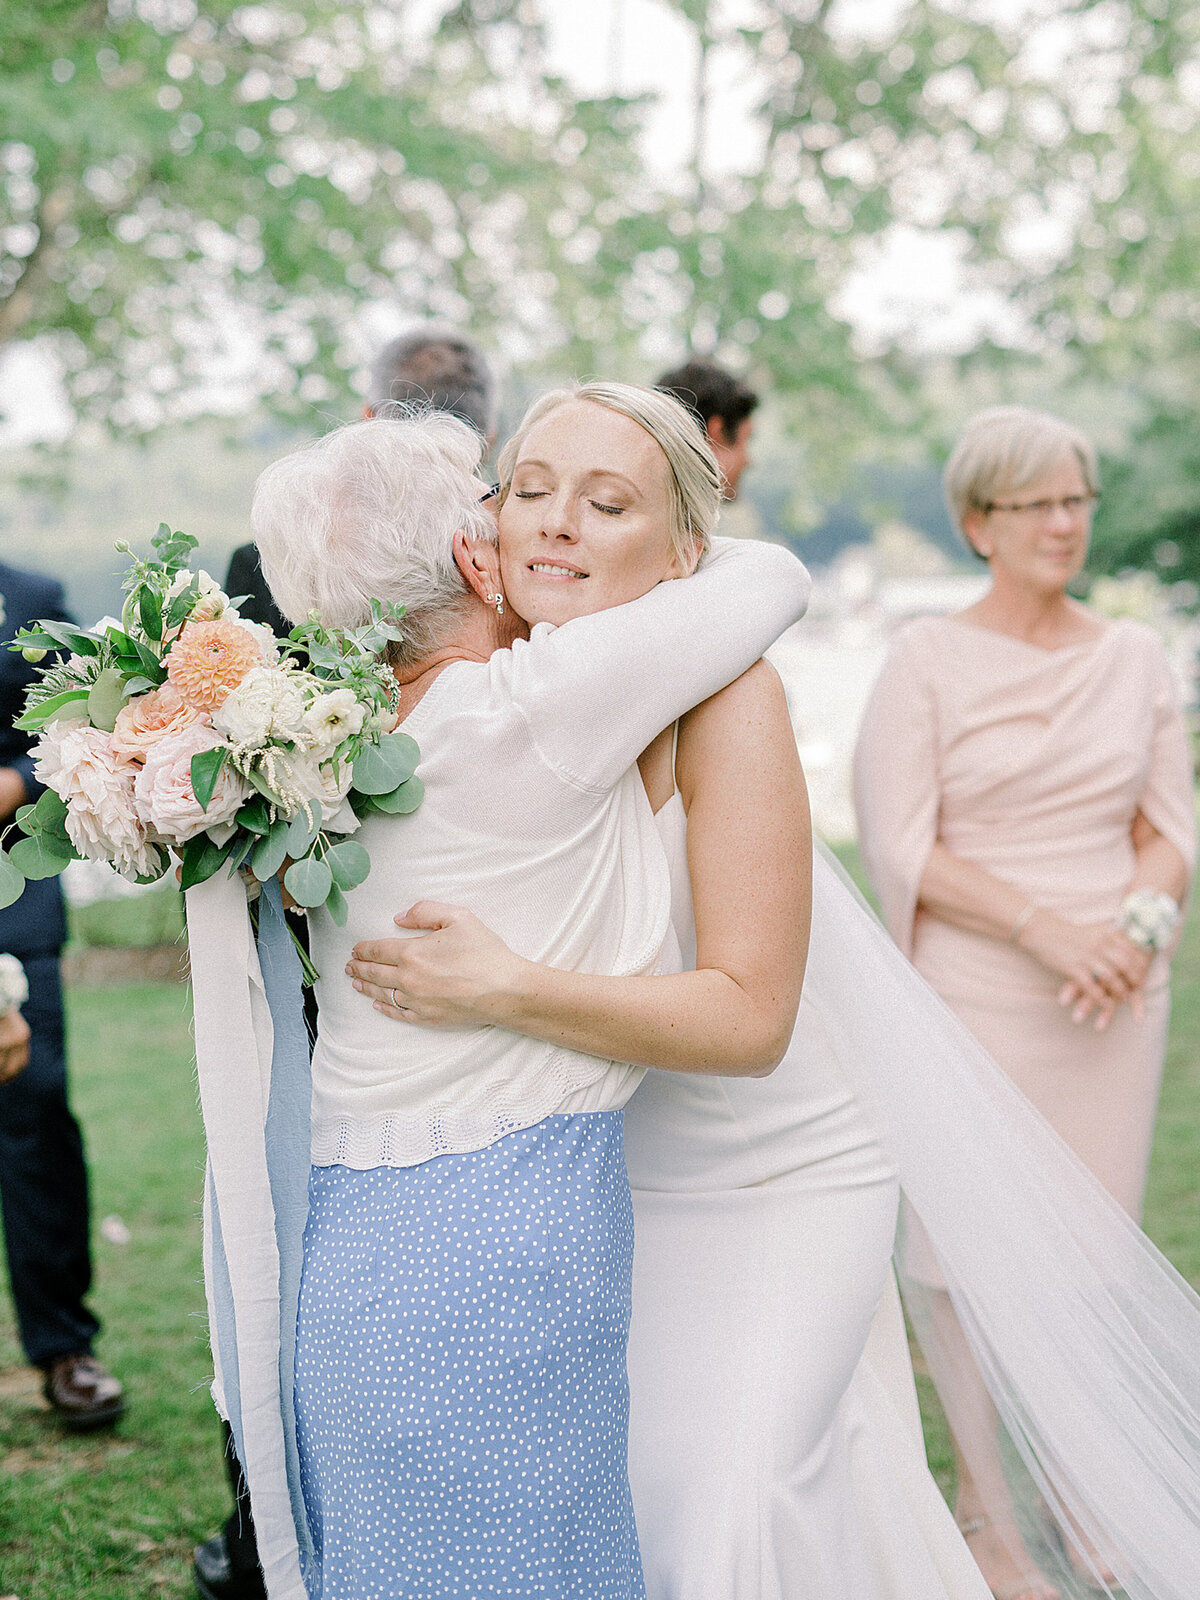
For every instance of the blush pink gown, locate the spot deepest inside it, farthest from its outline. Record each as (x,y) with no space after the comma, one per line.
(1033,764)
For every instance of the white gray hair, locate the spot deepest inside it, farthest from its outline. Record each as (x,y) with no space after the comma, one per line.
(370,512)
(1004,448)
(696,487)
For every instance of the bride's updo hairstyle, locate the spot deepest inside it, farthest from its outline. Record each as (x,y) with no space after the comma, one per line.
(370,512)
(695,481)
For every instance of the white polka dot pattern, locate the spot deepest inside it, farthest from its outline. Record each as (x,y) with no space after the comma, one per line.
(461,1394)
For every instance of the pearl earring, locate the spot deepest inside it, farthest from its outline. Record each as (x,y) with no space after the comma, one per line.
(498,601)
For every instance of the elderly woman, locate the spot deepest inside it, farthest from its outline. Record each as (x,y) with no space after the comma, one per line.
(1025,804)
(460,1390)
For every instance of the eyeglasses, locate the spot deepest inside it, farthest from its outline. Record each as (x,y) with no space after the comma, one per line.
(490,495)
(1075,505)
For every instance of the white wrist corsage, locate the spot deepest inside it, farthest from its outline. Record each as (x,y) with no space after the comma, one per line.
(14,988)
(1149,919)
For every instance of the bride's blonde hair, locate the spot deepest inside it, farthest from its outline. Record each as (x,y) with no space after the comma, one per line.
(696,489)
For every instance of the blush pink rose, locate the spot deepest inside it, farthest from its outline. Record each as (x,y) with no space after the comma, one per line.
(162,791)
(141,723)
(77,761)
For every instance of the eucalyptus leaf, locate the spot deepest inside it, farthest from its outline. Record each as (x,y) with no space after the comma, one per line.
(302,832)
(106,699)
(308,881)
(270,852)
(137,685)
(349,863)
(50,816)
(381,768)
(40,857)
(402,800)
(335,904)
(25,819)
(12,880)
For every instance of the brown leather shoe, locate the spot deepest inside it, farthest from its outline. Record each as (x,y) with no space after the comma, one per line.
(82,1393)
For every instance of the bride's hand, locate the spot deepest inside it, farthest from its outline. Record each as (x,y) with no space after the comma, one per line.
(458,975)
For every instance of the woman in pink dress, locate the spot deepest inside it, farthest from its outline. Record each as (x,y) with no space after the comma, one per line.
(1025,802)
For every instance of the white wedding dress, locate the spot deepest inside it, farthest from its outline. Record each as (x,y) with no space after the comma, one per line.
(774,1449)
(775,1443)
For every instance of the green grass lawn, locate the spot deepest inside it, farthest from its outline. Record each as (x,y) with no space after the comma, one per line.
(115,1517)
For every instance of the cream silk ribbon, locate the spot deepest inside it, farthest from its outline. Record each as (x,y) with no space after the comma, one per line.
(234,1043)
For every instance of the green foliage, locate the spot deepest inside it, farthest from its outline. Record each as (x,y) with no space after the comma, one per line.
(164,163)
(12,881)
(309,881)
(381,768)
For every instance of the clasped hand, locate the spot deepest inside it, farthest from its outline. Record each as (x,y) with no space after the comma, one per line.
(458,974)
(1102,968)
(14,1044)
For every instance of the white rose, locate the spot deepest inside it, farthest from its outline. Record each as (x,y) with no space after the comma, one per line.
(268,706)
(315,779)
(14,986)
(163,791)
(77,761)
(331,718)
(211,600)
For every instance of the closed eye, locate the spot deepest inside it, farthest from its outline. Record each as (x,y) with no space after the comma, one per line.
(609,511)
(530,494)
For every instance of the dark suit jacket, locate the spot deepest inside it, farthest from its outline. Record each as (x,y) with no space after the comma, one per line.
(36,924)
(245,576)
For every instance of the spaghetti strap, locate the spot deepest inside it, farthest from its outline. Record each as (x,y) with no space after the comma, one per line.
(674,755)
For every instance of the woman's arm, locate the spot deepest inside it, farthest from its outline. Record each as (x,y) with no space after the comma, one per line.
(1100,967)
(595,691)
(1160,864)
(750,860)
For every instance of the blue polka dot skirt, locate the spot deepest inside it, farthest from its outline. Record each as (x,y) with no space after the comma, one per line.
(461,1396)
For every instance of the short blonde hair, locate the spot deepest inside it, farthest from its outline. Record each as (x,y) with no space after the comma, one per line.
(695,485)
(1003,449)
(370,512)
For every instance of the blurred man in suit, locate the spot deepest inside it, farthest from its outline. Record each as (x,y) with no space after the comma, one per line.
(724,408)
(43,1175)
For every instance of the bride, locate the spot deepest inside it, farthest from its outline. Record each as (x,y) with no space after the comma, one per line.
(770,1457)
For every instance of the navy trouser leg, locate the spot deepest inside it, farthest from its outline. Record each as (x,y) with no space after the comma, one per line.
(44,1185)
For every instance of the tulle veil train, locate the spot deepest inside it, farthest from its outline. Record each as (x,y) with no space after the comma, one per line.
(1087,1338)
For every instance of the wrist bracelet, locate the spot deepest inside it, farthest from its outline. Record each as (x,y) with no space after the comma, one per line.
(1024,918)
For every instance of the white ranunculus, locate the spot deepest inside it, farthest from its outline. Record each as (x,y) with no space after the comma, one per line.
(163,790)
(77,761)
(332,718)
(267,707)
(322,780)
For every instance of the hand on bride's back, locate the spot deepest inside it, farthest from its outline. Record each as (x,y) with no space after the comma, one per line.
(456,974)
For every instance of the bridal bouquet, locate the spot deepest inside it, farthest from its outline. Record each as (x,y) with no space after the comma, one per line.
(184,731)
